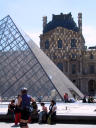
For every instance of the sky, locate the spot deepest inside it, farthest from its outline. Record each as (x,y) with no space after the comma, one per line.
(27,14)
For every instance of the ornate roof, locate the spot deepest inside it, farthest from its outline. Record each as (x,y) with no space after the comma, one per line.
(62,20)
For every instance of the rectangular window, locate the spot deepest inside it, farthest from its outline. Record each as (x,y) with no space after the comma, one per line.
(73,68)
(47,44)
(66,66)
(73,43)
(59,43)
(92,69)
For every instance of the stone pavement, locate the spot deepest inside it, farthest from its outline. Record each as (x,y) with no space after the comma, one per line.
(8,125)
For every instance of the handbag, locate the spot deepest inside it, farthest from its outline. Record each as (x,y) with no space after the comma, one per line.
(49,119)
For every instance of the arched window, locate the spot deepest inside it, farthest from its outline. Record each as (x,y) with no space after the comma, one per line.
(73,43)
(47,44)
(59,43)
(60,66)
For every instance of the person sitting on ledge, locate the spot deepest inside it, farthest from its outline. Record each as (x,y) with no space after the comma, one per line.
(34,113)
(66,100)
(90,99)
(52,112)
(43,114)
(11,109)
(11,106)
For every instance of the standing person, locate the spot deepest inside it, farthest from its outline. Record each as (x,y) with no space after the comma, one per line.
(52,112)
(25,106)
(17,110)
(43,113)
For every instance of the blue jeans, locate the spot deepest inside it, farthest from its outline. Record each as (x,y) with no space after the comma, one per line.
(41,114)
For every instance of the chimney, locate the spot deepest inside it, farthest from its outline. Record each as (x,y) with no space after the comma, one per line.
(80,22)
(44,21)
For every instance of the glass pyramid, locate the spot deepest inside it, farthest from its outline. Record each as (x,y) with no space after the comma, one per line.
(22,65)
(20,68)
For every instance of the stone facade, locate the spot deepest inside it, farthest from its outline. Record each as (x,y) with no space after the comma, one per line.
(64,43)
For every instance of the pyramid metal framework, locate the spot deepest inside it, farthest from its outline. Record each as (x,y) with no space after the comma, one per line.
(21,66)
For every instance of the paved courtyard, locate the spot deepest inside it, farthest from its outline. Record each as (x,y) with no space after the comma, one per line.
(9,125)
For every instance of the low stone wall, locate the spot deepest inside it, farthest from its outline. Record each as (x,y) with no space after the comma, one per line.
(9,117)
(73,119)
(76,119)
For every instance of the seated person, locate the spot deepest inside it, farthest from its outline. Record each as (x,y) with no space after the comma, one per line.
(34,112)
(35,107)
(90,99)
(43,114)
(52,112)
(11,106)
(66,98)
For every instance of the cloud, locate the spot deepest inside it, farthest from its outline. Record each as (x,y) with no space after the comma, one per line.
(89,33)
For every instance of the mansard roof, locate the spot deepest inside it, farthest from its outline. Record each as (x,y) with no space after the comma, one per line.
(62,20)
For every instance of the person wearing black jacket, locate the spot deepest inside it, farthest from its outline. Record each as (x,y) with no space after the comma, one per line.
(52,112)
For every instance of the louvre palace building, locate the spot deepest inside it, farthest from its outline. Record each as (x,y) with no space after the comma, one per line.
(63,42)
